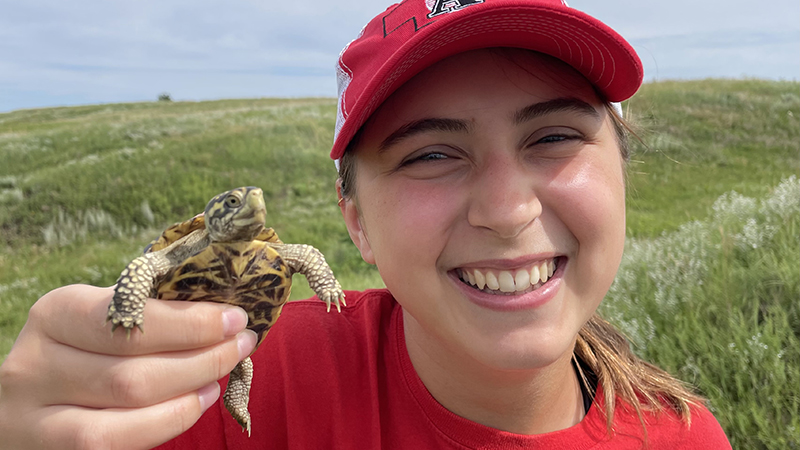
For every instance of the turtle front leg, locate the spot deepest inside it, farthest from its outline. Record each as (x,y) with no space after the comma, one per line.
(134,286)
(310,262)
(237,394)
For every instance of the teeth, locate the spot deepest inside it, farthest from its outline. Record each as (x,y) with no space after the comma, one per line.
(522,279)
(491,281)
(544,272)
(480,280)
(507,281)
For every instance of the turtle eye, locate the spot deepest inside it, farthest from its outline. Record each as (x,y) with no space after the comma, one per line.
(232,201)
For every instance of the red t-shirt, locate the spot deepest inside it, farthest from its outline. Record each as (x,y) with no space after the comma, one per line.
(345,381)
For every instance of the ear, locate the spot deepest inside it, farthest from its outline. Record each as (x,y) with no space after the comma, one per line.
(352,220)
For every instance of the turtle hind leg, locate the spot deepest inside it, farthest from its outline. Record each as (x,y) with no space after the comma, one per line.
(134,285)
(237,394)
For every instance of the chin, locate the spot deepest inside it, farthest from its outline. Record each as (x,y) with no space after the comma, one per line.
(523,350)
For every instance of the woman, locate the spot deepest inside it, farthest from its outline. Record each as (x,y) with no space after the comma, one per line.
(481,169)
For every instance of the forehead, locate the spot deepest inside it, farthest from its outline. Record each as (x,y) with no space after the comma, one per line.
(498,77)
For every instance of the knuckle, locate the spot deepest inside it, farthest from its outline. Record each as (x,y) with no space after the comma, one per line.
(11,371)
(39,310)
(52,305)
(129,385)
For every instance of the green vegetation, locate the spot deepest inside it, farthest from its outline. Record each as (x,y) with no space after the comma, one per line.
(704,138)
(708,288)
(716,303)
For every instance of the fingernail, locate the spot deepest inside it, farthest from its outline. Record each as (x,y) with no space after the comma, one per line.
(208,395)
(233,320)
(246,341)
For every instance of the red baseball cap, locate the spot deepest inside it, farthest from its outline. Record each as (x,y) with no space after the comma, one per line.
(414,34)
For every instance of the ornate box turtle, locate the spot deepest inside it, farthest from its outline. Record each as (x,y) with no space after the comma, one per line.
(224,255)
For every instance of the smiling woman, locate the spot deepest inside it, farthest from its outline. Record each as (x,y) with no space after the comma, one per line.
(482,171)
(494,210)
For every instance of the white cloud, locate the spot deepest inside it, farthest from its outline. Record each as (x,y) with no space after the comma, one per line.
(710,38)
(54,52)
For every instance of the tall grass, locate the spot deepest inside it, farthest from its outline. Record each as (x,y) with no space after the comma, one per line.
(717,302)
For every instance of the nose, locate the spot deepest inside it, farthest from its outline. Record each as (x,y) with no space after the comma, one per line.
(504,199)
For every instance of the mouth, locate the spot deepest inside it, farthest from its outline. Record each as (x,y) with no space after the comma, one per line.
(509,282)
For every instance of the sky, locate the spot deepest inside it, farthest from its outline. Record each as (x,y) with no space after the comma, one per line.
(56,53)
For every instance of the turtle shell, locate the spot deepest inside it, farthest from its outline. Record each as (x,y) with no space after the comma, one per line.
(197,222)
(248,274)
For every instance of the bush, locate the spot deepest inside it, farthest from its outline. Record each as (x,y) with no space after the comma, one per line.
(716,303)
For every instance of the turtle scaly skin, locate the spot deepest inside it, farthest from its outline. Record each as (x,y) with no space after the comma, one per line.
(225,255)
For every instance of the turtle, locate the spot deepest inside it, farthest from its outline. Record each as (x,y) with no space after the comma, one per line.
(226,255)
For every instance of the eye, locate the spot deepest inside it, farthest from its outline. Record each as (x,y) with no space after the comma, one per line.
(554,138)
(433,156)
(425,157)
(232,201)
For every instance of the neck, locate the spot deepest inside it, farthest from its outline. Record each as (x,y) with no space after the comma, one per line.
(528,402)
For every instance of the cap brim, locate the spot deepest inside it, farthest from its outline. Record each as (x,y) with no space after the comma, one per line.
(583,42)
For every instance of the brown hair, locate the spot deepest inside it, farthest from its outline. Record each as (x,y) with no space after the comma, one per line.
(600,347)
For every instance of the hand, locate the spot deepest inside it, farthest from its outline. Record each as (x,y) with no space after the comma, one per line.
(68,383)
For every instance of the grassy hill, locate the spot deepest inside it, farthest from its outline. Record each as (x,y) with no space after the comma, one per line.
(708,289)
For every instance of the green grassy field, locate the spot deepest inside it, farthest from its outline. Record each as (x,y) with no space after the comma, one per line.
(710,284)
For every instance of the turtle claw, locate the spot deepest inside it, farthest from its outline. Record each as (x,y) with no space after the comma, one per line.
(237,393)
(334,296)
(119,319)
(128,330)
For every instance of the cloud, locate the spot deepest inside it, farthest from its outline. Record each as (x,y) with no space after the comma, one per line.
(87,51)
(727,54)
(709,38)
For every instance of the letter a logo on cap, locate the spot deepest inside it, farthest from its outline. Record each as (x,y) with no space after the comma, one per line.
(448,6)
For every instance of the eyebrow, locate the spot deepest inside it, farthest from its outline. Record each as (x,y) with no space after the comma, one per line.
(460,126)
(422,126)
(564,104)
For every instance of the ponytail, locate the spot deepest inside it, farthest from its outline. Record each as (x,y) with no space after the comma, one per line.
(623,376)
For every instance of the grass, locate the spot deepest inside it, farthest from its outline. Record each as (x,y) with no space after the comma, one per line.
(716,302)
(704,138)
(709,284)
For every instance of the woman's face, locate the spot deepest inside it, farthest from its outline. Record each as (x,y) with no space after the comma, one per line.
(488,169)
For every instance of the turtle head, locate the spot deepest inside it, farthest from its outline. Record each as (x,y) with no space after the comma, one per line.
(236,215)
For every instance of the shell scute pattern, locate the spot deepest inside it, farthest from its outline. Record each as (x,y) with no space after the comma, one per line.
(250,275)
(225,255)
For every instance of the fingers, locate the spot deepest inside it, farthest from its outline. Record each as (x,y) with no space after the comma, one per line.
(168,325)
(68,383)
(68,427)
(105,381)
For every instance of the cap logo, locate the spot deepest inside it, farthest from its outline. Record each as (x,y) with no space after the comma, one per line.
(404,12)
(439,7)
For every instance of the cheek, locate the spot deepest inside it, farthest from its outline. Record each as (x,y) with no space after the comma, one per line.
(407,222)
(590,200)
(597,195)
